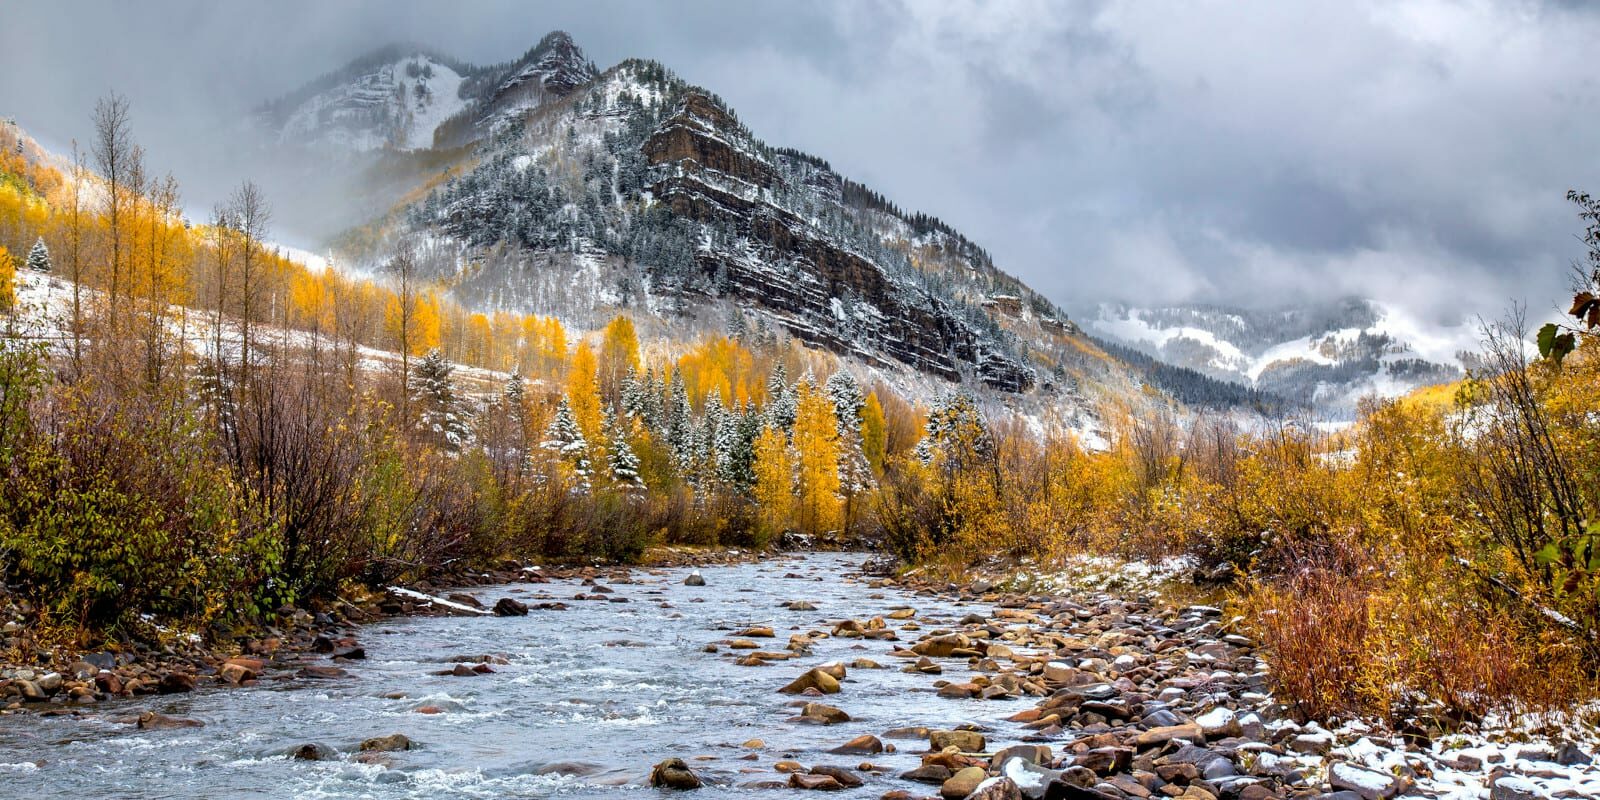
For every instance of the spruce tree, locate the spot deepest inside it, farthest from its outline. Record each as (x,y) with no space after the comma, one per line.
(623,463)
(441,411)
(39,256)
(564,438)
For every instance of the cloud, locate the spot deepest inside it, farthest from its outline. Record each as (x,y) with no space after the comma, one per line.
(1255,153)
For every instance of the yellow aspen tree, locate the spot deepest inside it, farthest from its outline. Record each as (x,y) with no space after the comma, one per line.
(874,432)
(8,278)
(583,393)
(774,486)
(816,444)
(619,352)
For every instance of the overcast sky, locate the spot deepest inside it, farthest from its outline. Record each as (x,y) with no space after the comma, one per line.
(1226,151)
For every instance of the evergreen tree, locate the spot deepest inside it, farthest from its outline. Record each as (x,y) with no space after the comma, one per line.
(736,449)
(680,424)
(441,411)
(39,256)
(845,394)
(564,438)
(781,400)
(623,463)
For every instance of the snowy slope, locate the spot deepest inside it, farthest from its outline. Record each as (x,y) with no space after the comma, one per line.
(1329,356)
(398,104)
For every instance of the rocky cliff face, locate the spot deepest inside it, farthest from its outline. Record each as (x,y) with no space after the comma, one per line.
(709,175)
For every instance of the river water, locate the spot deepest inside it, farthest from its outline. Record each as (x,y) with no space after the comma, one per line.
(590,699)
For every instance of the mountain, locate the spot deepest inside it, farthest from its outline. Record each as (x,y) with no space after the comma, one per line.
(410,97)
(1327,356)
(633,189)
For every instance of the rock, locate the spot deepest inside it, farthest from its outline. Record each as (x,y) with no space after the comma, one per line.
(235,673)
(30,691)
(826,714)
(1219,723)
(312,751)
(1370,784)
(928,773)
(813,679)
(825,783)
(152,721)
(846,778)
(1570,755)
(757,632)
(1105,760)
(1057,672)
(965,741)
(1165,734)
(1031,753)
(800,605)
(694,579)
(865,744)
(175,683)
(322,673)
(393,743)
(1001,788)
(1032,781)
(673,773)
(509,607)
(352,653)
(962,783)
(943,646)
(1511,787)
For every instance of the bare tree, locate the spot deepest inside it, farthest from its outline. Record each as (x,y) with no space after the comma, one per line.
(251,215)
(118,160)
(404,267)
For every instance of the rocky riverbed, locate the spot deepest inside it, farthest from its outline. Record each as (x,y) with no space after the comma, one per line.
(771,678)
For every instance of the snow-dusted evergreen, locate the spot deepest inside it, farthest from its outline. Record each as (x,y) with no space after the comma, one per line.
(623,462)
(440,410)
(564,438)
(39,256)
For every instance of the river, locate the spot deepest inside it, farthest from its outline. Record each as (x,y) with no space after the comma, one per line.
(589,699)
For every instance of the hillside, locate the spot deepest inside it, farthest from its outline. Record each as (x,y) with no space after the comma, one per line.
(1326,356)
(636,190)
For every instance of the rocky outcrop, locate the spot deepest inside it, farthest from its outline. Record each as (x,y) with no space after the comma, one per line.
(708,169)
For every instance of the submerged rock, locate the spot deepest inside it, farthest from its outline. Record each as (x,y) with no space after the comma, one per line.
(674,774)
(394,742)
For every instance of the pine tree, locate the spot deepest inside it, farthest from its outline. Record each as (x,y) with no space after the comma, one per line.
(624,463)
(564,438)
(845,394)
(39,256)
(736,449)
(440,410)
(781,400)
(680,425)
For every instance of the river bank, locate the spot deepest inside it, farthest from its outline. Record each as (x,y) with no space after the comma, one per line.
(903,688)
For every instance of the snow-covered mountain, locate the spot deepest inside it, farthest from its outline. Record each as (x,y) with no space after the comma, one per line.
(1328,356)
(410,97)
(633,189)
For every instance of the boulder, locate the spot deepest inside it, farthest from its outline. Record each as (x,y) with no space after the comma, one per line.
(824,783)
(813,679)
(509,607)
(846,778)
(1370,784)
(1001,788)
(863,745)
(825,714)
(1167,733)
(962,783)
(965,741)
(152,721)
(694,579)
(175,683)
(393,743)
(673,773)
(311,751)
